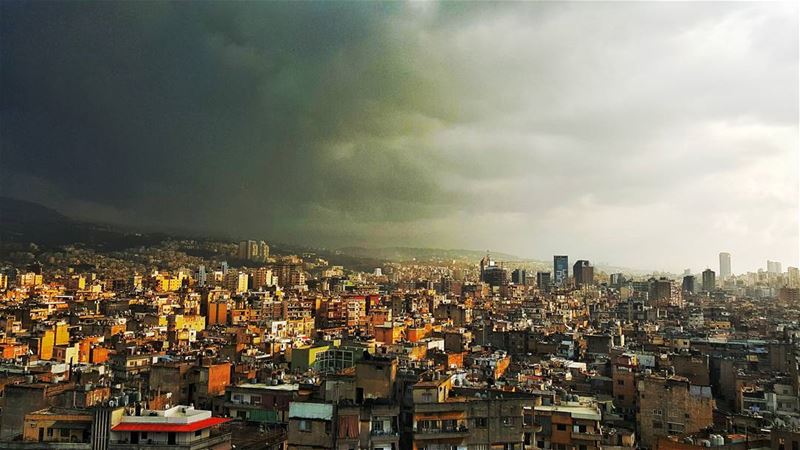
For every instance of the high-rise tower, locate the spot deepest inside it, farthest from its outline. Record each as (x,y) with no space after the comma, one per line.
(560,270)
(724,266)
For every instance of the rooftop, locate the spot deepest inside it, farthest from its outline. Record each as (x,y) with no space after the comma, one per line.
(269,387)
(179,414)
(576,411)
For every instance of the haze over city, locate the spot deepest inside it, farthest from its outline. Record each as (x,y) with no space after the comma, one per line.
(648,135)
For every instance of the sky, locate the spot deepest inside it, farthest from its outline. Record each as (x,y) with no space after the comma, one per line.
(650,135)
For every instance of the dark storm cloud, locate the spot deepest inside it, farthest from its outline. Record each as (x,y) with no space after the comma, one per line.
(228,113)
(610,130)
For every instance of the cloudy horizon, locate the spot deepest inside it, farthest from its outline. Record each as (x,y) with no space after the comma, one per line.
(647,135)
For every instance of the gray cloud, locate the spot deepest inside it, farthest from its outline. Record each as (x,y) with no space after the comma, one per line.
(649,134)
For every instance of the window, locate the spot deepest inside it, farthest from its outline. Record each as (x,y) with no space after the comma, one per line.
(656,412)
(64,432)
(198,433)
(377,425)
(507,422)
(676,427)
(527,420)
(304,425)
(328,427)
(143,435)
(49,432)
(621,397)
(561,427)
(657,424)
(621,382)
(480,422)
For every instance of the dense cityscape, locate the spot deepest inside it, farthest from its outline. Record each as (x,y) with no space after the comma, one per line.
(203,344)
(399,225)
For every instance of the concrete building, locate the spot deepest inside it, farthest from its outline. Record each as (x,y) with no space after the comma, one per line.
(446,416)
(261,403)
(311,426)
(543,281)
(374,425)
(570,425)
(24,398)
(689,284)
(519,277)
(583,273)
(663,292)
(58,425)
(709,280)
(670,406)
(180,428)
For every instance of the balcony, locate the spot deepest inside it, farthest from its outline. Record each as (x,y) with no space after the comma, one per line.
(239,404)
(200,444)
(384,436)
(440,433)
(585,437)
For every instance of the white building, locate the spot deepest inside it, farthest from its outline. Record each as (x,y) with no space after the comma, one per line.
(180,427)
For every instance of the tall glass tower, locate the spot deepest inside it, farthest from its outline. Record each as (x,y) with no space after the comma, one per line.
(560,269)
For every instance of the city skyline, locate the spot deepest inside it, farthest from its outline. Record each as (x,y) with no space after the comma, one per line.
(648,135)
(399,225)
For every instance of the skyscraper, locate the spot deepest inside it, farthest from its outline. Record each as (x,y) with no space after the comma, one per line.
(257,251)
(244,249)
(583,273)
(252,251)
(486,262)
(773,267)
(709,280)
(689,284)
(495,276)
(543,281)
(794,277)
(519,277)
(201,275)
(263,251)
(560,269)
(724,266)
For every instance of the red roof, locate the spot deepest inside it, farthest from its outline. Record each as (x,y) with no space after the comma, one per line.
(170,427)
